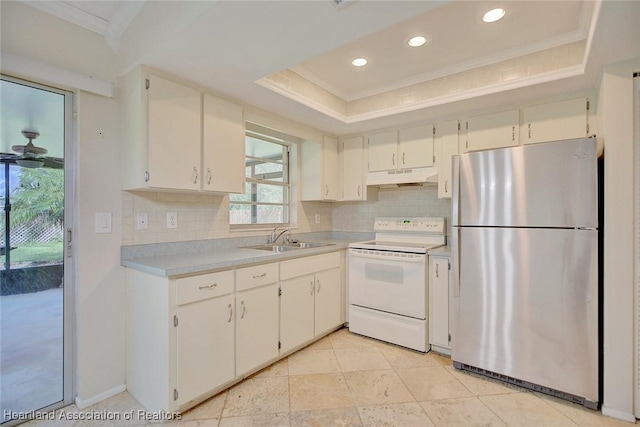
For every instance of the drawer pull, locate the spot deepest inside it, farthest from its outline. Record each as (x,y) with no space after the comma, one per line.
(208,287)
(259,276)
(230,313)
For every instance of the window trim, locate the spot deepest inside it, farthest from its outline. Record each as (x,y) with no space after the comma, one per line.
(287,204)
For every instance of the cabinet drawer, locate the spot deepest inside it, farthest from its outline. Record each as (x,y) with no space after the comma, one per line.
(197,288)
(252,277)
(308,265)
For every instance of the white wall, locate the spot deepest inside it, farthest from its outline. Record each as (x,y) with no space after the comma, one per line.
(616,126)
(99,280)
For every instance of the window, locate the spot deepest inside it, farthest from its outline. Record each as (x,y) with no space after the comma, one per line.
(267,186)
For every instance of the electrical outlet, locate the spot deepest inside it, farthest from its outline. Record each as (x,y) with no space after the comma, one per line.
(317,218)
(172,219)
(142,221)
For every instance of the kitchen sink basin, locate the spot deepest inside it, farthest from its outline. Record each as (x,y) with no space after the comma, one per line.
(287,247)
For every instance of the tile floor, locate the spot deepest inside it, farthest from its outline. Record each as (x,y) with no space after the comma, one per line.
(349,380)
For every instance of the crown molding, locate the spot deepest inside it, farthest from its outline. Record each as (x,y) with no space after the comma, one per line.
(71,14)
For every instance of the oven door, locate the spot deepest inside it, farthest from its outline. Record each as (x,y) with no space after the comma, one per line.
(394,282)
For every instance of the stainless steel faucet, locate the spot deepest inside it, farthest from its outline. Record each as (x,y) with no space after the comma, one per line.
(274,238)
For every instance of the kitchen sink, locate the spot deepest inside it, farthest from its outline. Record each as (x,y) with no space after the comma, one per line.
(287,247)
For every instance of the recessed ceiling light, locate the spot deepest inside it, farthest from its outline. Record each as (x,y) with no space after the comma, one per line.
(417,41)
(359,62)
(494,15)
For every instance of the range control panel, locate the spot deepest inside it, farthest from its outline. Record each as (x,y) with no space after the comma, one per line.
(412,224)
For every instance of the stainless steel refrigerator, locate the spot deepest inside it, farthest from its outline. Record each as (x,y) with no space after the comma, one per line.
(525,267)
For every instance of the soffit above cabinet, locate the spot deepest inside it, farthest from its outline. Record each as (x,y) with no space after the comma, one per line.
(293,57)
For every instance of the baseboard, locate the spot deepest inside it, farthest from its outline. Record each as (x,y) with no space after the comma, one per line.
(81,404)
(613,413)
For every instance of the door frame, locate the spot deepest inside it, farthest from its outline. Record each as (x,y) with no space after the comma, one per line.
(69,327)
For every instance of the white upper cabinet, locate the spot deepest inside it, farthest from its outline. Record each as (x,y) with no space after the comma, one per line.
(446,146)
(163,127)
(496,130)
(353,160)
(223,146)
(174,135)
(401,149)
(383,151)
(415,147)
(555,121)
(319,172)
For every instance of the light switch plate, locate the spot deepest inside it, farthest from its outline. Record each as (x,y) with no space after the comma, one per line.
(142,221)
(103,222)
(172,219)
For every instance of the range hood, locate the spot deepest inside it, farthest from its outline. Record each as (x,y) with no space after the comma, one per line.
(400,177)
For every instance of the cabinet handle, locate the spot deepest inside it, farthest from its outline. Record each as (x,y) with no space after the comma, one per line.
(194,175)
(513,133)
(146,176)
(393,159)
(445,186)
(359,187)
(244,309)
(529,131)
(403,153)
(437,270)
(258,276)
(208,287)
(230,313)
(318,286)
(312,287)
(326,190)
(208,176)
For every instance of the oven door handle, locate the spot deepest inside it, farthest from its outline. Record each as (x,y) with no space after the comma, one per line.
(414,258)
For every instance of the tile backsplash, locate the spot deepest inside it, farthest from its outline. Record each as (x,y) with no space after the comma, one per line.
(200,217)
(403,201)
(204,217)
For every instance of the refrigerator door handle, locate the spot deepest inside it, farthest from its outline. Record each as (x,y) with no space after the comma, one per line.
(455,261)
(455,191)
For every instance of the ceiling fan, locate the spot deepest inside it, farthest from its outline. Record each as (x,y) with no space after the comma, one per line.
(30,155)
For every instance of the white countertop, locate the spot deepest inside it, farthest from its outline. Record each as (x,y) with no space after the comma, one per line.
(223,257)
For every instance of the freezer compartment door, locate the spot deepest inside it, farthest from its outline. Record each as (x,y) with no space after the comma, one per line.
(528,306)
(543,185)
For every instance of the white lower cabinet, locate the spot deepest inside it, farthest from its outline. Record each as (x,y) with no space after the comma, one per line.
(310,304)
(257,315)
(204,344)
(191,337)
(439,295)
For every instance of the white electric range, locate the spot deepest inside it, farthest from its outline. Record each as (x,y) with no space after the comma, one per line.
(388,296)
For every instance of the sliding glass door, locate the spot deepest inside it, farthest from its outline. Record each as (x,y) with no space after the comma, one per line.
(36,298)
